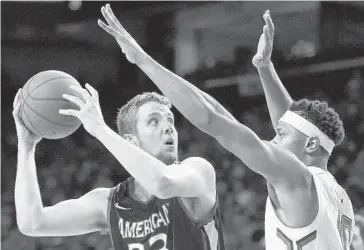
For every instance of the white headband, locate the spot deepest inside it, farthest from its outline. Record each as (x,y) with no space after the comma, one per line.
(308,129)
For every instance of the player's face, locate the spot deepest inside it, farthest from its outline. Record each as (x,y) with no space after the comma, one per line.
(290,138)
(156,132)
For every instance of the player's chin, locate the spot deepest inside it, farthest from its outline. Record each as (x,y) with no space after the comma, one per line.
(168,157)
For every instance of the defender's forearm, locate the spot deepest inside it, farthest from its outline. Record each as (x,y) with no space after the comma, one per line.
(278,98)
(184,96)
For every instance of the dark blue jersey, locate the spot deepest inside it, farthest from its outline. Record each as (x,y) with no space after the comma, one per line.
(159,224)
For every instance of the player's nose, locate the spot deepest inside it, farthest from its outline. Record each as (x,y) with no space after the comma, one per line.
(168,128)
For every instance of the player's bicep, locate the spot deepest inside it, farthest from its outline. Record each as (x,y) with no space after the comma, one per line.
(193,177)
(267,159)
(76,216)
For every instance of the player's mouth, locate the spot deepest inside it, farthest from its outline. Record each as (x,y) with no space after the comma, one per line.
(169,142)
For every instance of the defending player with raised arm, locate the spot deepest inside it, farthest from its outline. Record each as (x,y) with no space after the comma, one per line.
(276,95)
(294,163)
(164,205)
(313,119)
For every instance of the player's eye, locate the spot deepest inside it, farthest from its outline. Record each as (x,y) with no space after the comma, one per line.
(153,122)
(280,134)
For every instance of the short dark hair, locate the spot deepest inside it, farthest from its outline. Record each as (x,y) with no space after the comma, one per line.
(127,115)
(322,116)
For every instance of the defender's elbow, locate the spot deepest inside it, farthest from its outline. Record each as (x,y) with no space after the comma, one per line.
(206,122)
(200,117)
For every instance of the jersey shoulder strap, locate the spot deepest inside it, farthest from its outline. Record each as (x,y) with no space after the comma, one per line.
(117,193)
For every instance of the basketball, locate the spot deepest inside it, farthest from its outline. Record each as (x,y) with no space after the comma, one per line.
(41,99)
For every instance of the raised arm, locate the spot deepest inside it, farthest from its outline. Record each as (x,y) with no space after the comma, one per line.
(71,217)
(180,92)
(184,96)
(280,167)
(202,111)
(277,97)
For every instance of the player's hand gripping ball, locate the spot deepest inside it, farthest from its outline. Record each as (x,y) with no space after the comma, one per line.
(88,109)
(40,101)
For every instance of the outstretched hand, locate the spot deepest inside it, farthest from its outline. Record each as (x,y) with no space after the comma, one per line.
(134,53)
(265,46)
(90,112)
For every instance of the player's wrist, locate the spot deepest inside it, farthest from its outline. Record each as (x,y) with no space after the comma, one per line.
(26,146)
(143,59)
(99,130)
(264,65)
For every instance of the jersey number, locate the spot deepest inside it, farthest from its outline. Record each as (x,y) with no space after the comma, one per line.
(159,237)
(300,243)
(344,226)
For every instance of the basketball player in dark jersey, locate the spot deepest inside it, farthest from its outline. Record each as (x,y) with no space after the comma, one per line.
(164,205)
(164,221)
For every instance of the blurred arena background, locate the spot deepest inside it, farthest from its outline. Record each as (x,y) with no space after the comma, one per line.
(318,52)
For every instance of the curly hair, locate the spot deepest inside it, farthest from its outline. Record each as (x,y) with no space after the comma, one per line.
(126,118)
(320,114)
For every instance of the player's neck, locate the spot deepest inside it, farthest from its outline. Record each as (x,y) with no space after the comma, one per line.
(139,192)
(319,162)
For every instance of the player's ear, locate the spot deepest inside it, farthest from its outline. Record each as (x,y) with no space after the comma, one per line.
(312,144)
(132,139)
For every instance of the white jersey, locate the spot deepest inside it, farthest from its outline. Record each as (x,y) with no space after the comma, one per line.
(332,229)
